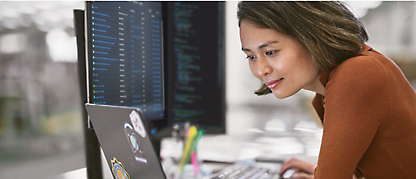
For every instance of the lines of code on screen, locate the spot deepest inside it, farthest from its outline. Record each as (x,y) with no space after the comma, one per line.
(125,56)
(196,47)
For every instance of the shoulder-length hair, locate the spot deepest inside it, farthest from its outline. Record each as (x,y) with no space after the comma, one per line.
(328,29)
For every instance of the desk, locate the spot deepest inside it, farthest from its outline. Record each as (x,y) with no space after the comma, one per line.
(225,148)
(82,173)
(261,146)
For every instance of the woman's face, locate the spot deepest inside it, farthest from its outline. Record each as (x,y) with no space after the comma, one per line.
(280,61)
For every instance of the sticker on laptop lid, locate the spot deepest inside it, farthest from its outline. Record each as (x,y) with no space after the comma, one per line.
(118,170)
(134,141)
(137,124)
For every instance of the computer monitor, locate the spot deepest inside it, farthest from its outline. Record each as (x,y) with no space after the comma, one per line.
(195,47)
(166,58)
(125,64)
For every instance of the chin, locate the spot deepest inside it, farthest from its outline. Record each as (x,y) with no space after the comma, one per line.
(283,95)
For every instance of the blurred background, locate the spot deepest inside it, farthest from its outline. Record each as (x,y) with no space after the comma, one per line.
(41,132)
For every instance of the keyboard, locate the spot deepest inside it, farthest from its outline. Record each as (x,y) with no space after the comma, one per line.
(246,171)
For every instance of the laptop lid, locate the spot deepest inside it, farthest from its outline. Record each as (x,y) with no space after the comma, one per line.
(125,142)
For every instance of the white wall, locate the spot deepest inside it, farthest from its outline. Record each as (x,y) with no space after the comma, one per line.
(392,29)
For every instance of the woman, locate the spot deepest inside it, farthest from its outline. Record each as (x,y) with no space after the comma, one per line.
(367,106)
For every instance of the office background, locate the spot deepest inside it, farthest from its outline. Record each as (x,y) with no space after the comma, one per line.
(40,114)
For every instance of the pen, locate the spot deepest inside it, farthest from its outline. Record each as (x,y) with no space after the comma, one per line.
(195,162)
(194,158)
(191,134)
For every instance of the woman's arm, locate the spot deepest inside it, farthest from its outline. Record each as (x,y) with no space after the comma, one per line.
(355,105)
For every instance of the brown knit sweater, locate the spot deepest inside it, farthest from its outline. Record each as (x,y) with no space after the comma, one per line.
(369,120)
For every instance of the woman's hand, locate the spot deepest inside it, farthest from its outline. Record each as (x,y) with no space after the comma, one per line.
(304,170)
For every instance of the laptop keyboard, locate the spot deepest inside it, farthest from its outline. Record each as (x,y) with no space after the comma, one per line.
(246,171)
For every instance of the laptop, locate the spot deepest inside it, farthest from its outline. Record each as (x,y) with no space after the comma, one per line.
(125,142)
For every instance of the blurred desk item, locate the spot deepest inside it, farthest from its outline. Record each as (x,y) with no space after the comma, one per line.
(220,148)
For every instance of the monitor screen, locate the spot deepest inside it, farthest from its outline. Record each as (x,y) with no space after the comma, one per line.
(195,48)
(125,55)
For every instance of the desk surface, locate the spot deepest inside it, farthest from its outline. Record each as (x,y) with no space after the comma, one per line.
(82,173)
(224,148)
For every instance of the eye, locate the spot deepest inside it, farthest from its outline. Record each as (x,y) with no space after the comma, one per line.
(271,52)
(250,57)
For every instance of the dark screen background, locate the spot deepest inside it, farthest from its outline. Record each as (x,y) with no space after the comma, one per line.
(195,57)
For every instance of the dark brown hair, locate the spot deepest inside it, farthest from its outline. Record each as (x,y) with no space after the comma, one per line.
(328,29)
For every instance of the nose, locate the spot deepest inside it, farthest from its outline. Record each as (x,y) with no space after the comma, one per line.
(264,67)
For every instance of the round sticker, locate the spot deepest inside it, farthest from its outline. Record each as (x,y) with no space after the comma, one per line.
(134,140)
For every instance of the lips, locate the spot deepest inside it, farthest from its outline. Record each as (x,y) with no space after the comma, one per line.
(273,84)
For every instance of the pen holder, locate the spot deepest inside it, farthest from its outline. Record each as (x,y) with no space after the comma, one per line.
(189,173)
(189,156)
(191,169)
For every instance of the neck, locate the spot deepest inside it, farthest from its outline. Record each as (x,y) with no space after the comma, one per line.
(316,86)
